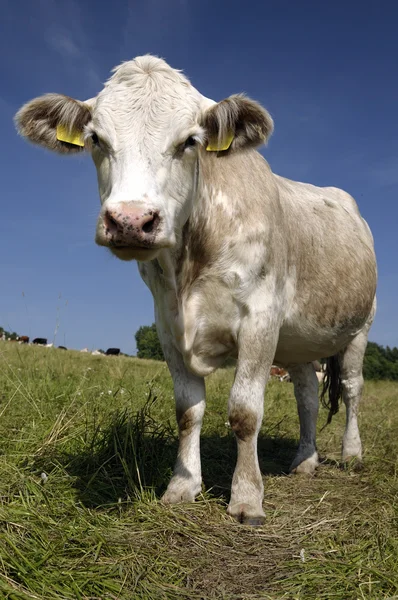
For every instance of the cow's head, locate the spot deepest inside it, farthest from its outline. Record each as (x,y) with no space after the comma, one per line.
(145,131)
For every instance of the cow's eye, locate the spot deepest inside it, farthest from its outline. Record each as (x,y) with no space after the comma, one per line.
(189,142)
(94,139)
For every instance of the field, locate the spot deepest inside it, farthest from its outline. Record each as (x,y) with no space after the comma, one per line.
(87,446)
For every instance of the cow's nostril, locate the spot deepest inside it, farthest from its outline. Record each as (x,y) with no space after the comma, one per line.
(112,220)
(152,224)
(111,223)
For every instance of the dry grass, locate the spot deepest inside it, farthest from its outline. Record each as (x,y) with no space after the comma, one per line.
(102,430)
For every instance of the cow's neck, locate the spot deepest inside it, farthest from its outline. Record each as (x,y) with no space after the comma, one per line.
(223,214)
(228,211)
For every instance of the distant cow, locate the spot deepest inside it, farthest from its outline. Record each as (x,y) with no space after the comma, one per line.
(62,348)
(277,372)
(97,353)
(24,339)
(113,352)
(40,341)
(241,262)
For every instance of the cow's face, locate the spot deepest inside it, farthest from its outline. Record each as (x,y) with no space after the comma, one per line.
(145,131)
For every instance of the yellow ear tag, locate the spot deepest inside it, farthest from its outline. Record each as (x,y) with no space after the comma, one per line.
(215,147)
(74,137)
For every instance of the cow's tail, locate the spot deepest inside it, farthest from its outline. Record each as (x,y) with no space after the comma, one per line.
(331,387)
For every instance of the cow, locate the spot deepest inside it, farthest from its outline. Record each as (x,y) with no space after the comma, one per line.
(279,373)
(40,341)
(24,339)
(240,261)
(113,352)
(62,348)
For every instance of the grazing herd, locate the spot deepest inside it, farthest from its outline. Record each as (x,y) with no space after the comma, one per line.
(24,339)
(275,372)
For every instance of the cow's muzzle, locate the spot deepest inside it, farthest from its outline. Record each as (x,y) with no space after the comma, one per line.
(130,231)
(130,226)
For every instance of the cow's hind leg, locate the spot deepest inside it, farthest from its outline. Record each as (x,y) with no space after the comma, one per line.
(306,391)
(351,364)
(351,361)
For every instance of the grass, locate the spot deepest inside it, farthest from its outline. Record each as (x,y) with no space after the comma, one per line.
(87,445)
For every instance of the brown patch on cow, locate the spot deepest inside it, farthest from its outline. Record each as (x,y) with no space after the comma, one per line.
(195,254)
(243,423)
(185,420)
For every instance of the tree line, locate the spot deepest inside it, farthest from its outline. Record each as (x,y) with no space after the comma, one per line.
(379,362)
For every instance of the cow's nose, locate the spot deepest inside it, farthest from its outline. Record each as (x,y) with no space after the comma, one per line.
(130,225)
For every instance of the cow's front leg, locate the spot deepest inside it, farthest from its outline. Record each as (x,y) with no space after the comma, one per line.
(246,408)
(189,391)
(190,405)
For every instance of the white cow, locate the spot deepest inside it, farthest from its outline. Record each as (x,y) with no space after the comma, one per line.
(240,261)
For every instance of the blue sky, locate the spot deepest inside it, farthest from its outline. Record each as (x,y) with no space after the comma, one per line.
(326,71)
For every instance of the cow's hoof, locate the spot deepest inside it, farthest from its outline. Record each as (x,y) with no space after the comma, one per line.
(180,491)
(247,514)
(305,467)
(353,463)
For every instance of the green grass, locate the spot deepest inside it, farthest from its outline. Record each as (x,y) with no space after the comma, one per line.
(102,431)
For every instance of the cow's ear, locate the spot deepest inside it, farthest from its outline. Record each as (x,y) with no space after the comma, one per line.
(55,122)
(236,123)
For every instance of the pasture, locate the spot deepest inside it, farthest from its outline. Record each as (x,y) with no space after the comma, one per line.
(87,444)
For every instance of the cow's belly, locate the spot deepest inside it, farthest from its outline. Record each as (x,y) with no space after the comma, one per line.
(303,340)
(295,347)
